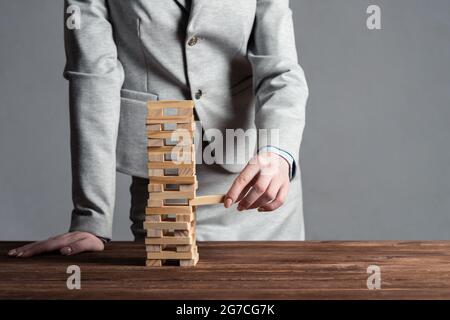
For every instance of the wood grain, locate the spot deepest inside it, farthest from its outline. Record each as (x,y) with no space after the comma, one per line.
(239,270)
(207,200)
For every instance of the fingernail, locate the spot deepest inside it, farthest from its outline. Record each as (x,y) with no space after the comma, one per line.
(261,209)
(228,202)
(66,251)
(240,208)
(12,252)
(20,254)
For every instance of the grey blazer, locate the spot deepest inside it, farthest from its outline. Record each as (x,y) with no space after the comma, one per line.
(236,58)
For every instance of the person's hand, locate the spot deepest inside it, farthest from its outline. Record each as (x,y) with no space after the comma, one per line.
(67,244)
(263,184)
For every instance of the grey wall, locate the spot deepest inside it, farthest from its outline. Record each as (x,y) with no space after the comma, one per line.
(375,155)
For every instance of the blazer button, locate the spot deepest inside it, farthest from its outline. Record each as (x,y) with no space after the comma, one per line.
(198,94)
(193,41)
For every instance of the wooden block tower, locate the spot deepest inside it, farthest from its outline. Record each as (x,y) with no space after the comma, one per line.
(171,208)
(170,218)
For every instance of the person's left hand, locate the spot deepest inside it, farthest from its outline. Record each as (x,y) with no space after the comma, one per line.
(263,184)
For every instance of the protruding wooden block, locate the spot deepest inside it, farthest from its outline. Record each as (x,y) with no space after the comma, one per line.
(207,200)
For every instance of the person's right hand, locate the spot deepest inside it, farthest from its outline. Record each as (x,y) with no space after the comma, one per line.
(67,244)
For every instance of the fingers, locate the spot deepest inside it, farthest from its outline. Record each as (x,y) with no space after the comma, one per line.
(279,200)
(240,183)
(50,244)
(268,196)
(88,243)
(257,191)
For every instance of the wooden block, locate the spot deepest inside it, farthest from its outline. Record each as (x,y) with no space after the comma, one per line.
(190,180)
(167,225)
(184,218)
(155,142)
(170,255)
(169,104)
(169,165)
(160,150)
(181,233)
(180,142)
(154,248)
(154,187)
(171,149)
(191,262)
(155,157)
(154,233)
(169,134)
(184,248)
(186,172)
(162,120)
(153,218)
(154,127)
(153,263)
(155,113)
(155,173)
(183,210)
(207,200)
(170,240)
(172,195)
(187,126)
(154,203)
(167,119)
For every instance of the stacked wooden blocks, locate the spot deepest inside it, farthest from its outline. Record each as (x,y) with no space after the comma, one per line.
(170,217)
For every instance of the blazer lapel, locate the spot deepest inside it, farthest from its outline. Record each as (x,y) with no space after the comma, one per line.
(195,9)
(182,3)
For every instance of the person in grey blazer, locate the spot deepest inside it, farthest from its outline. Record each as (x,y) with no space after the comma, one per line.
(236,59)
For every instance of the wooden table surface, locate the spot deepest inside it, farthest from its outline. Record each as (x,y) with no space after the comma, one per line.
(239,270)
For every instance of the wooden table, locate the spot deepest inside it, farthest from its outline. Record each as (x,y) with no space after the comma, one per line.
(239,270)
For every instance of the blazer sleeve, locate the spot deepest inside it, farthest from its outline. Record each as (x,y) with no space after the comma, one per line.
(95,78)
(281,91)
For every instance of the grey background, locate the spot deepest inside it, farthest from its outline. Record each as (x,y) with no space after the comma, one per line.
(376,151)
